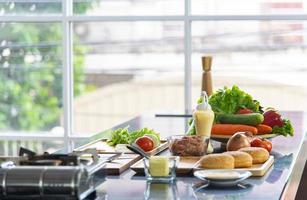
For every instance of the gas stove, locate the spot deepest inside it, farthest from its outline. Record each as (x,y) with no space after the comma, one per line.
(51,176)
(30,158)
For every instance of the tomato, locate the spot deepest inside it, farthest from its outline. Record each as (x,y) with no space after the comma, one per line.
(263,143)
(244,111)
(145,143)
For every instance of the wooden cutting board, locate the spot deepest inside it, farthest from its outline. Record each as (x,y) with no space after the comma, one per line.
(185,166)
(120,164)
(256,169)
(102,146)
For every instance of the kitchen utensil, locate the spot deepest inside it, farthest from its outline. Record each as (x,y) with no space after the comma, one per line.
(138,151)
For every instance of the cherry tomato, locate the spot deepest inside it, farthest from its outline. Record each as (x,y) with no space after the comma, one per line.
(263,143)
(145,143)
(244,111)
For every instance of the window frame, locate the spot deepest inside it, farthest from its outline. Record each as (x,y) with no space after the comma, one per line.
(67,18)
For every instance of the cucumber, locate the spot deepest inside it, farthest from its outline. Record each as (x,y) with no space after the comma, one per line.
(252,119)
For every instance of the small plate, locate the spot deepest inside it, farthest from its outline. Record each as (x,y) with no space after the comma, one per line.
(223,178)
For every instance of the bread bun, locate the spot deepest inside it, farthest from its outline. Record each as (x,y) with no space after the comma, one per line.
(217,161)
(242,159)
(259,155)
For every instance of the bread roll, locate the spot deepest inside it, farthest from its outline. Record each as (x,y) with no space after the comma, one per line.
(242,159)
(217,161)
(259,155)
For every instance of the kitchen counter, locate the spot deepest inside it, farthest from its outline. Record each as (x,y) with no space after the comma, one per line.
(272,185)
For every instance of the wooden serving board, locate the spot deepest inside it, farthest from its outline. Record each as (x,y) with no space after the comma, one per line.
(122,163)
(102,146)
(119,165)
(256,169)
(187,165)
(184,167)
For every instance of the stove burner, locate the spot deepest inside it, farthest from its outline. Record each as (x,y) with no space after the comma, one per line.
(42,162)
(46,159)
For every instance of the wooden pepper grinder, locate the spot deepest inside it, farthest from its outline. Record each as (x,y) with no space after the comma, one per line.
(206,84)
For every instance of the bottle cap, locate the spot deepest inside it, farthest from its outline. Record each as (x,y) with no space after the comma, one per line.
(204,105)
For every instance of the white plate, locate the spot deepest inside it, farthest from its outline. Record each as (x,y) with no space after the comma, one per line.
(224,178)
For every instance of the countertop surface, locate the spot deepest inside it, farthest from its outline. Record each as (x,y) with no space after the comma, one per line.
(270,186)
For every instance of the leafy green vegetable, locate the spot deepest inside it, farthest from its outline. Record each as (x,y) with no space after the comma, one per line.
(191,130)
(123,136)
(119,136)
(144,131)
(285,130)
(229,101)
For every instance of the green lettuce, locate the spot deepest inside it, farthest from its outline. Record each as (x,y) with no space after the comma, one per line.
(119,136)
(230,100)
(285,130)
(123,136)
(144,131)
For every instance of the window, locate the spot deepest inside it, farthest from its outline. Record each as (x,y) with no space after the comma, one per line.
(128,7)
(124,73)
(31,64)
(72,68)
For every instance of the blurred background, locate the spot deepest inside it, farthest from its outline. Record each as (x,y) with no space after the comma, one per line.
(127,68)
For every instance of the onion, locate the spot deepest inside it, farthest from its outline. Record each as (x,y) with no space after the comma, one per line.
(238,141)
(249,135)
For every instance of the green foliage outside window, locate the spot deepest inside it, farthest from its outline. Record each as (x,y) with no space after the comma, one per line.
(31,71)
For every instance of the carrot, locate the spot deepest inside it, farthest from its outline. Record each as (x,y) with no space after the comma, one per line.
(230,129)
(263,129)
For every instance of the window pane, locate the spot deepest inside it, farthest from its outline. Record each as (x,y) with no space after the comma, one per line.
(128,68)
(243,7)
(30,7)
(30,76)
(129,7)
(268,58)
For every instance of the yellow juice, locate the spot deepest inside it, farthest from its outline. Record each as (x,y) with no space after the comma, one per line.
(203,122)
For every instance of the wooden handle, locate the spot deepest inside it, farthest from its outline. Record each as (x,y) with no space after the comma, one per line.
(206,78)
(207,62)
(207,83)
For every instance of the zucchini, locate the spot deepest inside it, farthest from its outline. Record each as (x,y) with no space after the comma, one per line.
(252,119)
